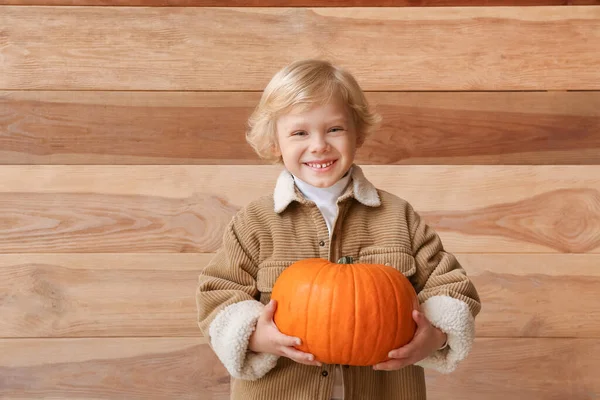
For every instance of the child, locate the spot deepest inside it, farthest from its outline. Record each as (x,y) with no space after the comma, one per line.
(312,117)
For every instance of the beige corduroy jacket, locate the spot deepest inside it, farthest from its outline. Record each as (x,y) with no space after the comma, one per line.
(372,226)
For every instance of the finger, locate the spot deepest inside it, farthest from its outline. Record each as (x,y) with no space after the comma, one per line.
(408,349)
(288,341)
(391,365)
(402,352)
(300,356)
(313,363)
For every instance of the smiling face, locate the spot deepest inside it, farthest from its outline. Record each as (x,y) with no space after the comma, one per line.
(318,145)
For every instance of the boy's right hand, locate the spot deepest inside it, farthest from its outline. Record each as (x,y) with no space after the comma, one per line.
(267,338)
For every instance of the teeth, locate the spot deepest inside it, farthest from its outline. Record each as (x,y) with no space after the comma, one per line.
(320,165)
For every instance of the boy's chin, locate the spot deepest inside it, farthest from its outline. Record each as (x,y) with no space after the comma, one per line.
(323,182)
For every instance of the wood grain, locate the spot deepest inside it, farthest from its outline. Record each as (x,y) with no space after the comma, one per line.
(129,295)
(72,295)
(533,369)
(125,127)
(536,295)
(121,48)
(208,128)
(299,3)
(133,209)
(537,369)
(83,222)
(134,368)
(576,211)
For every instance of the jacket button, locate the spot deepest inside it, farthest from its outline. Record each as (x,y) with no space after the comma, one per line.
(324,373)
(321,243)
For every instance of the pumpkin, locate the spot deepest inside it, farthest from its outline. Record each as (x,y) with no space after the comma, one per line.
(345,313)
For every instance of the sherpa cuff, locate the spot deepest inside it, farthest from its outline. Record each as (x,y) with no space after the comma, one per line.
(453,317)
(229,335)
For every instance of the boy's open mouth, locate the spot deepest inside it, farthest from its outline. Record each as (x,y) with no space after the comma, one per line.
(322,165)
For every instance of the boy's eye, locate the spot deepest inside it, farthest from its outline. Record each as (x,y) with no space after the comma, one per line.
(336,129)
(299,133)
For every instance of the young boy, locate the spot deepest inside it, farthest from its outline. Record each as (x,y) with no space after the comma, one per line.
(312,117)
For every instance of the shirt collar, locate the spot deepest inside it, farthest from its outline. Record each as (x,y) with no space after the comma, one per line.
(327,195)
(360,189)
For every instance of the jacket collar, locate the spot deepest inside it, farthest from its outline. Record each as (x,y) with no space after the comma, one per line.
(361,189)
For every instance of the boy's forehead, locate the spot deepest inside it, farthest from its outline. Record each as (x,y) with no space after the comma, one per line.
(330,111)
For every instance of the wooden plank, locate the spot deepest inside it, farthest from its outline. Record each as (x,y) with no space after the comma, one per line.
(125,127)
(133,368)
(485,128)
(80,295)
(297,3)
(166,368)
(208,128)
(532,369)
(491,48)
(71,295)
(536,295)
(133,209)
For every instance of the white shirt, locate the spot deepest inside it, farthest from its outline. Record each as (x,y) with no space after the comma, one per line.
(325,198)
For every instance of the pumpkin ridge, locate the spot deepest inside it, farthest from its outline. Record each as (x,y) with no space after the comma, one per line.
(373,282)
(355,318)
(398,305)
(329,345)
(312,287)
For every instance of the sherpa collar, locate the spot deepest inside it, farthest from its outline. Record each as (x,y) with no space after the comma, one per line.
(361,189)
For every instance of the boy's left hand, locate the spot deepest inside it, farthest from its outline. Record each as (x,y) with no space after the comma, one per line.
(427,339)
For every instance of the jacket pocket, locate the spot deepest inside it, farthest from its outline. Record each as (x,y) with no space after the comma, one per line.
(267,275)
(397,257)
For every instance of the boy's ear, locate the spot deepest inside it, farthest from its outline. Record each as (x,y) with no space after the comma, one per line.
(275,149)
(360,140)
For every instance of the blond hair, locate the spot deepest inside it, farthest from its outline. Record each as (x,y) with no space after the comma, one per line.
(303,84)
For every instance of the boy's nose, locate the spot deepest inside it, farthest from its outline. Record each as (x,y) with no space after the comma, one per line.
(319,144)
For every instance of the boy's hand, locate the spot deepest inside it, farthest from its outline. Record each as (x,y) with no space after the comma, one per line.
(266,338)
(427,340)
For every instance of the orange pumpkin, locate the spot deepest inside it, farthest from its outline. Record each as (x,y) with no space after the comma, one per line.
(351,314)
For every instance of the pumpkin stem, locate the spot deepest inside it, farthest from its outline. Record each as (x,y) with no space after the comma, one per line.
(346,260)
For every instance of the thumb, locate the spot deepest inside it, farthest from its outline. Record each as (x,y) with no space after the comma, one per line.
(269,310)
(419,317)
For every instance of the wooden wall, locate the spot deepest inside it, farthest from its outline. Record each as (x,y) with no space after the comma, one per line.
(122,152)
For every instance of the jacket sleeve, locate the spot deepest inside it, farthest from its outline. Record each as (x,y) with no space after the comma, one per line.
(228,310)
(448,298)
